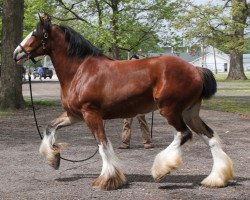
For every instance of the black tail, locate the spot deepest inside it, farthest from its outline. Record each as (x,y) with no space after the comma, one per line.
(209,83)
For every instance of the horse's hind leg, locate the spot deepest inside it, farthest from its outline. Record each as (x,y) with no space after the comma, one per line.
(170,158)
(48,148)
(222,170)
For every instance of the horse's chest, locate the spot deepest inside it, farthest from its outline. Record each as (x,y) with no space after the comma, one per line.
(70,102)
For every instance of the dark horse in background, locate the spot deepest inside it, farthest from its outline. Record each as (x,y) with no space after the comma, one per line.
(95,87)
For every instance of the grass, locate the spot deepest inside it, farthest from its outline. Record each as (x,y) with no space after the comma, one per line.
(222,77)
(231,96)
(228,104)
(4,113)
(46,103)
(41,102)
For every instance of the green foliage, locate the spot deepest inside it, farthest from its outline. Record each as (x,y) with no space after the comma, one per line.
(32,9)
(126,24)
(32,65)
(213,24)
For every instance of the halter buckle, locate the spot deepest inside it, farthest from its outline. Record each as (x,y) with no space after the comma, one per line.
(45,35)
(43,44)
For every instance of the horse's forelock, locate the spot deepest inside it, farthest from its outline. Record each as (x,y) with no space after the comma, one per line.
(46,24)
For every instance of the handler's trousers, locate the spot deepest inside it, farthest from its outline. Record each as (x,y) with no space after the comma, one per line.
(126,131)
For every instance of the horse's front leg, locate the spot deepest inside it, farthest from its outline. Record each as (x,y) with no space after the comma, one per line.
(49,149)
(112,176)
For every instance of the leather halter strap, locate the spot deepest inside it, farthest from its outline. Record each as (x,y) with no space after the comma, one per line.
(42,44)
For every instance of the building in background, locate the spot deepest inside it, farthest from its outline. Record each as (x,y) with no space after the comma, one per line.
(209,57)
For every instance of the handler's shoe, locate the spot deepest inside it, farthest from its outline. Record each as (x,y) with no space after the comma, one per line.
(124,146)
(148,146)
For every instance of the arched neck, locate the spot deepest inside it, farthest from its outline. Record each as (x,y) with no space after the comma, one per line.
(65,66)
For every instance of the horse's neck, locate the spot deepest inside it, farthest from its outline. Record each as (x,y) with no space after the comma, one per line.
(65,68)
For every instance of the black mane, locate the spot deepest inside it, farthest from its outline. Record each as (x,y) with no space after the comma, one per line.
(78,45)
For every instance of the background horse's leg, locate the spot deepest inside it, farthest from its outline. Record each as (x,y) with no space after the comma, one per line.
(222,170)
(112,176)
(170,158)
(49,149)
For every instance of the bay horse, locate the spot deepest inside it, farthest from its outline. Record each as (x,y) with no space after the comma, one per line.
(95,87)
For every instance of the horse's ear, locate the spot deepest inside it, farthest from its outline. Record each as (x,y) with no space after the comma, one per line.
(46,22)
(40,18)
(46,17)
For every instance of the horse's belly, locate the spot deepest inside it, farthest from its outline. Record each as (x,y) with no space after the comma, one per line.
(128,109)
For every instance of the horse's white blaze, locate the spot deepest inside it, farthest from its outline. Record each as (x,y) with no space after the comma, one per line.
(168,159)
(222,170)
(18,49)
(109,160)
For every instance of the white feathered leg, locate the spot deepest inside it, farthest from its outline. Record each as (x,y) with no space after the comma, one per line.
(222,170)
(112,176)
(168,159)
(48,148)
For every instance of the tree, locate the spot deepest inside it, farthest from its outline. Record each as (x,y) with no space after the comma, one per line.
(239,15)
(31,10)
(118,25)
(220,25)
(10,81)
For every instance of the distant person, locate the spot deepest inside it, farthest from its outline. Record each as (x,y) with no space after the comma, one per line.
(126,131)
(40,72)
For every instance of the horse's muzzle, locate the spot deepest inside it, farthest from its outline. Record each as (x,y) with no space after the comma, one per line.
(19,57)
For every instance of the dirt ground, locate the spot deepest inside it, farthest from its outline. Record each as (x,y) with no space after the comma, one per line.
(24,175)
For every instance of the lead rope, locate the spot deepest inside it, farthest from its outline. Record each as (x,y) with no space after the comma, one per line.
(38,130)
(152,124)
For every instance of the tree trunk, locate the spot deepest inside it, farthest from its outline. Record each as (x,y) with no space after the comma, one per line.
(239,17)
(236,72)
(11,74)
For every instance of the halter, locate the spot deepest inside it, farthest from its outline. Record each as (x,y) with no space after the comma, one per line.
(43,44)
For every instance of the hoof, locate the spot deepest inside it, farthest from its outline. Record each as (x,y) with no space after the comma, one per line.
(111,183)
(167,160)
(220,179)
(51,152)
(159,174)
(159,177)
(213,182)
(222,172)
(162,167)
(55,161)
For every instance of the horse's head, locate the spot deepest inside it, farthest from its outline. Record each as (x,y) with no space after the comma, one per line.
(36,43)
